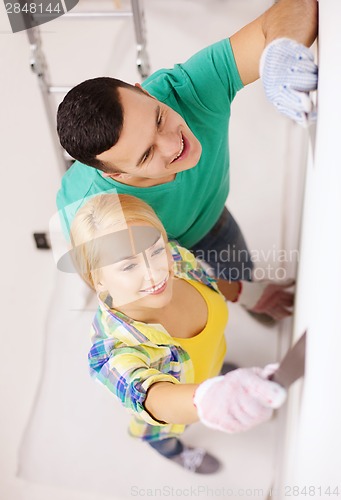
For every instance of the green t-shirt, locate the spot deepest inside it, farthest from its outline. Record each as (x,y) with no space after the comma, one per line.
(201,91)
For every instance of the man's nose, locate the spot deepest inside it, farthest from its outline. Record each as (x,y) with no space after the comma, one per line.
(169,144)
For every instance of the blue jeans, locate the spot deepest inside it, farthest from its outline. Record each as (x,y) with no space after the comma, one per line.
(225,250)
(167,447)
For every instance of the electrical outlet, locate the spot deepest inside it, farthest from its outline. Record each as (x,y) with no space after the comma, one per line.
(42,241)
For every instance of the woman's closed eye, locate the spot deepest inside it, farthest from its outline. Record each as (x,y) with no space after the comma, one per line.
(158,251)
(129,267)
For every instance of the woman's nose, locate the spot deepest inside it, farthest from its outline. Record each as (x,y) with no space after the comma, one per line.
(149,275)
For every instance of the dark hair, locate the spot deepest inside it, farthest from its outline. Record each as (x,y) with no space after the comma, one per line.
(90,119)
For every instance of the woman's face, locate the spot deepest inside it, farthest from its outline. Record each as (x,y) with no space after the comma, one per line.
(142,280)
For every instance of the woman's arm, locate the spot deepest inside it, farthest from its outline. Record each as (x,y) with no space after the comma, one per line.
(172,403)
(232,403)
(263,297)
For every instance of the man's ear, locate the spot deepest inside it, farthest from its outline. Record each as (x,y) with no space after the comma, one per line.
(144,91)
(117,175)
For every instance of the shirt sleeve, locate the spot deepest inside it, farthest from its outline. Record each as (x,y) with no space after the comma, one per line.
(209,80)
(128,373)
(213,72)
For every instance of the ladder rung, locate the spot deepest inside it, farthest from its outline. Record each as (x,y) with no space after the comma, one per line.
(59,90)
(89,15)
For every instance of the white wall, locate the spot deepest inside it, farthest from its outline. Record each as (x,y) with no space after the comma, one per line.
(30,179)
(312,451)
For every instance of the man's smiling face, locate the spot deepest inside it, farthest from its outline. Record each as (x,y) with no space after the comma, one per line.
(155,142)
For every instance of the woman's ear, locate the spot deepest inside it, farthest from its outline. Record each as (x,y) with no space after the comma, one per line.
(100,287)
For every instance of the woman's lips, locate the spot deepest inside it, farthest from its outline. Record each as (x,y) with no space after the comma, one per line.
(159,288)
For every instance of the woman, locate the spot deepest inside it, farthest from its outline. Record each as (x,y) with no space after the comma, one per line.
(158,337)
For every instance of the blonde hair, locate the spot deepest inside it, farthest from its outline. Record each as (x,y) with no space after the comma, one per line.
(97,217)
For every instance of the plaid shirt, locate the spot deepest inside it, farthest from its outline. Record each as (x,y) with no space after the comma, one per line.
(129,356)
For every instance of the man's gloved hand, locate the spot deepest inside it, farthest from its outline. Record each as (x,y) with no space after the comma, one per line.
(288,73)
(267,297)
(239,400)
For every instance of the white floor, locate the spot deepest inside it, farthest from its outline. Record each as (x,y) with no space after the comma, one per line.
(74,446)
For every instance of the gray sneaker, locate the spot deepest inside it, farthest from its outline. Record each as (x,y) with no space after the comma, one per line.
(196,460)
(228,367)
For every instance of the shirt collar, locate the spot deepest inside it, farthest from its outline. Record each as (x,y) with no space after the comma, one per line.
(130,331)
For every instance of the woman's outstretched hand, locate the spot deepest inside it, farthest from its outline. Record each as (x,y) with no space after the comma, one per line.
(239,400)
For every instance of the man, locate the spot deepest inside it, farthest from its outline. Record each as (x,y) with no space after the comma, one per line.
(167,142)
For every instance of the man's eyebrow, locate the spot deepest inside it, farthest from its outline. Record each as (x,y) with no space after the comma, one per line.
(157,114)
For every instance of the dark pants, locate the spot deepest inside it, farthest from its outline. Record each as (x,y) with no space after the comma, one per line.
(225,250)
(167,447)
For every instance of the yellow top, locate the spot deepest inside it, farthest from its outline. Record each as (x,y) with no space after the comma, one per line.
(207,349)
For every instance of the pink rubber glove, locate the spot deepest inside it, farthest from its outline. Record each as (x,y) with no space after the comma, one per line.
(267,297)
(239,400)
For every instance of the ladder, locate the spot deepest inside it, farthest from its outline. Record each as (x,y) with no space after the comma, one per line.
(40,68)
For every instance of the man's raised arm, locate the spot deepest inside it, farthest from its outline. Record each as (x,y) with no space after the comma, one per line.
(294,19)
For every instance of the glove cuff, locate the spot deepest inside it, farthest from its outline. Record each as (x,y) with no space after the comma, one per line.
(201,392)
(251,292)
(270,46)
